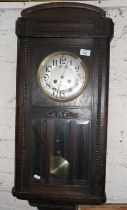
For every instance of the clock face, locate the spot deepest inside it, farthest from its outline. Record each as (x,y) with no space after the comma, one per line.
(62,76)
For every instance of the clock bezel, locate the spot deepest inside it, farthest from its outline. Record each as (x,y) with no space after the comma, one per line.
(46,60)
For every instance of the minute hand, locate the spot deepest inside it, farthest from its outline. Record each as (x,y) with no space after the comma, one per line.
(61,79)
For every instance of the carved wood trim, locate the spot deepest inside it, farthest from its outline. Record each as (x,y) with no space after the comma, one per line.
(101,63)
(24,126)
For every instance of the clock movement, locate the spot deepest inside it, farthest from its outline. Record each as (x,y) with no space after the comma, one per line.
(61,105)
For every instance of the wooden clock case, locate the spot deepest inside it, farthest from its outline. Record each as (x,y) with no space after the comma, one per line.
(80,123)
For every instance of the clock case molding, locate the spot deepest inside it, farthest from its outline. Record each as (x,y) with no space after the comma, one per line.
(41,30)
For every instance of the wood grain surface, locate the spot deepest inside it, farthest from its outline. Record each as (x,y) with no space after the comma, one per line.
(104,207)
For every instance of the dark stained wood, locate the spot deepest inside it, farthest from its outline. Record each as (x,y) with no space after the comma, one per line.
(62,190)
(48,151)
(42,11)
(80,124)
(104,207)
(72,148)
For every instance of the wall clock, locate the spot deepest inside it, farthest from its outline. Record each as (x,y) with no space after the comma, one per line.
(62,76)
(61,105)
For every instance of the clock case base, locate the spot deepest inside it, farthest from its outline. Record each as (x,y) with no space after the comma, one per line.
(49,22)
(43,204)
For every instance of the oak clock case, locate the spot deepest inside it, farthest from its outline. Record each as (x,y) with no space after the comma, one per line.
(61,105)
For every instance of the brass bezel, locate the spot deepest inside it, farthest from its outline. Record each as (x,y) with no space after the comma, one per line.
(46,60)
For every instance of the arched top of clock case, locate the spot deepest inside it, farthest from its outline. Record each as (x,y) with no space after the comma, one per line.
(61,10)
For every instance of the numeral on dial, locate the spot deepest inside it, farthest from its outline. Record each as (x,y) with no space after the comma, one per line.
(79,76)
(54,91)
(54,62)
(46,77)
(62,94)
(63,60)
(76,67)
(48,68)
(59,94)
(48,86)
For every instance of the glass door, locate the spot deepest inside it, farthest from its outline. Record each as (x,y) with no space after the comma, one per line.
(61,151)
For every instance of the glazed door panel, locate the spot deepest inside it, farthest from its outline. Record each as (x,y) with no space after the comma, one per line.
(68,152)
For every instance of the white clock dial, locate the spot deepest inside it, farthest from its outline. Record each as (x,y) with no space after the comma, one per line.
(62,76)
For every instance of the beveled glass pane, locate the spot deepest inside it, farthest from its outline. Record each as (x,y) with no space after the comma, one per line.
(59,164)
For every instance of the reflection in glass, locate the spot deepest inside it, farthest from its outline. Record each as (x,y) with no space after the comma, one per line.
(59,167)
(59,164)
(62,157)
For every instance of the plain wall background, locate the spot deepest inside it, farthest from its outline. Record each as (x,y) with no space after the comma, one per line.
(116,178)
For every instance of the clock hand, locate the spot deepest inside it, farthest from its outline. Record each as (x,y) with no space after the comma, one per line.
(61,79)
